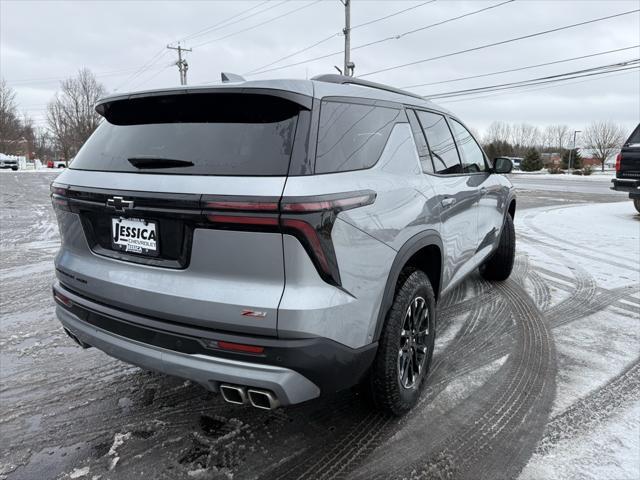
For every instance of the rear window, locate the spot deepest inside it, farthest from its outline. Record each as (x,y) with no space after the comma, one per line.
(351,136)
(196,134)
(634,139)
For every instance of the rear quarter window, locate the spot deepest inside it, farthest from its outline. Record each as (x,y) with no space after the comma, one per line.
(351,136)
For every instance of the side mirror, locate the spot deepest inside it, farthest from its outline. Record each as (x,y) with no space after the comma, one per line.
(502,165)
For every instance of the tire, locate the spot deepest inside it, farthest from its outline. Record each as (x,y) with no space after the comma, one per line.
(499,265)
(391,392)
(60,166)
(15,169)
(636,203)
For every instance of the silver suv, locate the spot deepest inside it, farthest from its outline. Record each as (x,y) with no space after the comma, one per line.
(276,240)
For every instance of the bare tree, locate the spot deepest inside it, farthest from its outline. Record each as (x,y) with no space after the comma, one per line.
(71,115)
(561,135)
(555,137)
(524,137)
(603,139)
(497,132)
(10,125)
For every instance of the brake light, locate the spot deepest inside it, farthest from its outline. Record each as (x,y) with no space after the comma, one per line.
(243,220)
(59,197)
(345,203)
(618,161)
(309,219)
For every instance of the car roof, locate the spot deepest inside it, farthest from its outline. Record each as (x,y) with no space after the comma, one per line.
(311,88)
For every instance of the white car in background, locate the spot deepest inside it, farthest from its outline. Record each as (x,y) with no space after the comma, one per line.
(516,161)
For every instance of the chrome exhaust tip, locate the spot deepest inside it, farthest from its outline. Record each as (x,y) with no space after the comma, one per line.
(76,339)
(263,399)
(234,394)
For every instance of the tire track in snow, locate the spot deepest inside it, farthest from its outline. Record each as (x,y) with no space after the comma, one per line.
(592,410)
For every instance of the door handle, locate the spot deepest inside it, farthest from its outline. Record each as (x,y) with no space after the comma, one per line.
(447,202)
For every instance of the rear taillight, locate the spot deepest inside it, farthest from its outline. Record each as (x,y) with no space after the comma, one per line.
(59,196)
(618,161)
(309,219)
(66,301)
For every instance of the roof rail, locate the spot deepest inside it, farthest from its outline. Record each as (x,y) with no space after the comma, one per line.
(343,79)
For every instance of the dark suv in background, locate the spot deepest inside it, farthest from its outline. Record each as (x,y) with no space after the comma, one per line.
(277,240)
(628,168)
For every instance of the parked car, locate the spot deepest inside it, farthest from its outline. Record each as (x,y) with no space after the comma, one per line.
(7,162)
(628,168)
(277,240)
(516,161)
(56,164)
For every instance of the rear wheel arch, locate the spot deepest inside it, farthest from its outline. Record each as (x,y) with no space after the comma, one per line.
(421,252)
(512,208)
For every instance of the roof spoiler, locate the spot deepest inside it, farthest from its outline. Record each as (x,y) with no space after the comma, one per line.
(343,79)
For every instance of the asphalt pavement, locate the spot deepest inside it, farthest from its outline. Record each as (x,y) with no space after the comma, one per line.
(536,378)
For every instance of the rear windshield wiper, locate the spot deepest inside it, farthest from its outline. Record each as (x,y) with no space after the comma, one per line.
(156,162)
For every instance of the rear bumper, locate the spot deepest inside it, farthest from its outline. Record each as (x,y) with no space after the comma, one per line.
(295,370)
(631,186)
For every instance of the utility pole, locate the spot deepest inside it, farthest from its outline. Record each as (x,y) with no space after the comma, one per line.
(182,64)
(349,66)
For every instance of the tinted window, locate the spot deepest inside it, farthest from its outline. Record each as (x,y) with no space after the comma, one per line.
(472,156)
(441,144)
(421,142)
(220,134)
(351,136)
(634,139)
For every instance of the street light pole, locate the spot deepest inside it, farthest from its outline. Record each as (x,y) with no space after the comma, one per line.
(574,147)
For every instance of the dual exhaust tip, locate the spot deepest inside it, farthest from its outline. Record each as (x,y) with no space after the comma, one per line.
(264,399)
(76,339)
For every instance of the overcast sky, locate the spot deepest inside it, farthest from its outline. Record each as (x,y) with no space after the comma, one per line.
(42,42)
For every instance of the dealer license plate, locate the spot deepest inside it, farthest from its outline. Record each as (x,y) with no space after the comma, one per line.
(134,235)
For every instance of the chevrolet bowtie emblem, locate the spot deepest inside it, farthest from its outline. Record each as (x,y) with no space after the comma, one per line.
(119,204)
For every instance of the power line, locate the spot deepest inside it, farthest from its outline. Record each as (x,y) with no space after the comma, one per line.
(604,75)
(224,23)
(494,44)
(151,77)
(337,34)
(631,64)
(150,63)
(326,39)
(451,80)
(257,25)
(394,37)
(371,22)
(110,73)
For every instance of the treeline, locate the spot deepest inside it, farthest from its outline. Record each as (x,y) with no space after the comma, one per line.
(71,119)
(599,139)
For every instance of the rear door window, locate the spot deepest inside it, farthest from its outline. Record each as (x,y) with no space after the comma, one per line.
(351,136)
(441,145)
(472,155)
(199,134)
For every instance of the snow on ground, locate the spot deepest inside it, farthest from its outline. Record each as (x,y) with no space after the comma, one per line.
(537,377)
(607,175)
(610,452)
(602,239)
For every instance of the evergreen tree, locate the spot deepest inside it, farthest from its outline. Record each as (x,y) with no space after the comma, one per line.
(576,159)
(532,161)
